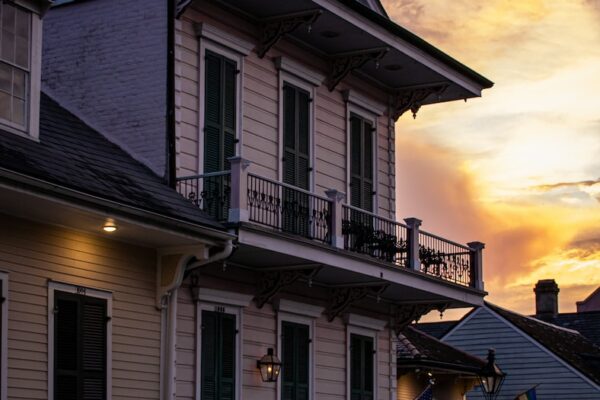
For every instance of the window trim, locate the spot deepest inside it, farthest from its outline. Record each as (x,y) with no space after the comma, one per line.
(32,119)
(353,108)
(223,44)
(303,78)
(364,326)
(229,303)
(285,316)
(92,292)
(4,337)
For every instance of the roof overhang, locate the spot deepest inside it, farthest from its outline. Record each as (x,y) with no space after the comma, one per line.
(346,27)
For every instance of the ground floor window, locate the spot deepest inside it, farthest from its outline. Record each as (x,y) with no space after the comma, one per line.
(218,363)
(362,358)
(3,334)
(295,356)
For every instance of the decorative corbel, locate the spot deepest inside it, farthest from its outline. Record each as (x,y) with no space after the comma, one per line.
(272,282)
(343,297)
(344,63)
(274,28)
(412,99)
(405,314)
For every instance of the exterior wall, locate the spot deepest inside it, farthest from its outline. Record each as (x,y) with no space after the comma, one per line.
(33,254)
(259,332)
(447,386)
(260,109)
(525,362)
(106,60)
(591,303)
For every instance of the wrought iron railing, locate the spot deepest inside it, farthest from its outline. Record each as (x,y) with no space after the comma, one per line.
(367,233)
(288,209)
(211,192)
(445,259)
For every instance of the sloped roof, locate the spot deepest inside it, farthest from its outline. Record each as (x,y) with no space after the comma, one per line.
(587,323)
(436,329)
(567,344)
(73,155)
(418,348)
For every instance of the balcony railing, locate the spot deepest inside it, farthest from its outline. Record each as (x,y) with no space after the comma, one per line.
(238,196)
(288,209)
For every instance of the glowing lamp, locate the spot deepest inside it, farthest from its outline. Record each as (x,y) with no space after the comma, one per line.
(269,366)
(109,226)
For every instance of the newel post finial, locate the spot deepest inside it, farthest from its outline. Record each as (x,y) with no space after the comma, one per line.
(476,264)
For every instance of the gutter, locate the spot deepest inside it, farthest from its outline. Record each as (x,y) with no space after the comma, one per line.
(75,198)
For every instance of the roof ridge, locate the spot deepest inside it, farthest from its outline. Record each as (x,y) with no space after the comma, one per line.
(535,319)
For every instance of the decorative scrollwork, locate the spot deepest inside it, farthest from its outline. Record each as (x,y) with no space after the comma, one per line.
(453,267)
(343,297)
(344,63)
(211,194)
(273,281)
(404,315)
(274,28)
(412,99)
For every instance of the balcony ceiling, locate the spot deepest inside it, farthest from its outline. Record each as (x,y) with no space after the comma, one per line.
(410,62)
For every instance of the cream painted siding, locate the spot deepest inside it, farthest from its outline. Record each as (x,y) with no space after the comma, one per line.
(32,254)
(260,109)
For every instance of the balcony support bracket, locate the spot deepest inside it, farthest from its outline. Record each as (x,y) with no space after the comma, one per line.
(274,28)
(345,296)
(412,98)
(405,314)
(344,63)
(272,281)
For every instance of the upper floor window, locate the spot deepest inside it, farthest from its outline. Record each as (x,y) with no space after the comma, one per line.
(296,140)
(15,64)
(361,162)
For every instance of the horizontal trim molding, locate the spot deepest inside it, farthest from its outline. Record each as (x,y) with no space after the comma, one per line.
(294,307)
(357,99)
(365,322)
(290,66)
(224,297)
(219,36)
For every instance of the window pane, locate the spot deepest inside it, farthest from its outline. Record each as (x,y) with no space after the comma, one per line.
(8,46)
(18,111)
(22,30)
(8,18)
(18,84)
(4,105)
(5,77)
(22,52)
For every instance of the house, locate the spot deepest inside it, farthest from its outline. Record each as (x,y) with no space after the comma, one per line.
(591,303)
(561,363)
(423,361)
(174,178)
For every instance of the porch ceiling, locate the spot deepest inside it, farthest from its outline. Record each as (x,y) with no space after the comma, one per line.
(410,61)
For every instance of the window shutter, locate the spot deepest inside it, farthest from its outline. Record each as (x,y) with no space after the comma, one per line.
(66,348)
(296,140)
(229,119)
(94,348)
(218,356)
(295,358)
(361,367)
(227,379)
(361,163)
(209,355)
(303,358)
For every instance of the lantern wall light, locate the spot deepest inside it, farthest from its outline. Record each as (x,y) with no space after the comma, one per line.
(491,377)
(269,366)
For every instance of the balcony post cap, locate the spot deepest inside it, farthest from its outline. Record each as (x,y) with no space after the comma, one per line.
(335,195)
(239,159)
(476,245)
(413,222)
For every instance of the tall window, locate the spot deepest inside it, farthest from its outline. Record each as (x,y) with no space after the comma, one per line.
(80,347)
(15,36)
(218,356)
(295,357)
(361,367)
(361,163)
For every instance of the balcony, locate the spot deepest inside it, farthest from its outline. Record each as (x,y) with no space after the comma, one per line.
(237,196)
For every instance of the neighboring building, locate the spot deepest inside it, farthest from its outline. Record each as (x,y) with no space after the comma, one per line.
(425,361)
(591,303)
(262,115)
(561,362)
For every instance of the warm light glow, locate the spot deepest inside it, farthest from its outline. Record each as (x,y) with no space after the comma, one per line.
(109,226)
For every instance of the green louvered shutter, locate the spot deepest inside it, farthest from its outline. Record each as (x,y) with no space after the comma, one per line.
(218,356)
(295,359)
(80,347)
(361,367)
(361,163)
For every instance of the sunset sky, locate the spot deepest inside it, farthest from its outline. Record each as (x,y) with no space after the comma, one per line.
(519,168)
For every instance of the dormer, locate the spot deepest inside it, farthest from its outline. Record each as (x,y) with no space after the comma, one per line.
(20,65)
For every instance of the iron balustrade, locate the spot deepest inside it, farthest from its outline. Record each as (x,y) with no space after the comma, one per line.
(210,192)
(289,209)
(367,233)
(445,259)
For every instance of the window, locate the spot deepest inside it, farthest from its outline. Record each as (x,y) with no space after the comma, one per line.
(362,352)
(361,162)
(218,365)
(15,64)
(80,347)
(295,356)
(79,343)
(3,334)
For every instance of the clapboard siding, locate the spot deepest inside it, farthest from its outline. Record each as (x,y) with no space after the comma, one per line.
(32,254)
(260,110)
(525,362)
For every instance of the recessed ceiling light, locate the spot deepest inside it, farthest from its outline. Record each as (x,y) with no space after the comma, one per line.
(330,34)
(109,226)
(393,67)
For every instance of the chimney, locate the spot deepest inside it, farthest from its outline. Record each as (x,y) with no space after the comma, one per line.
(546,299)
